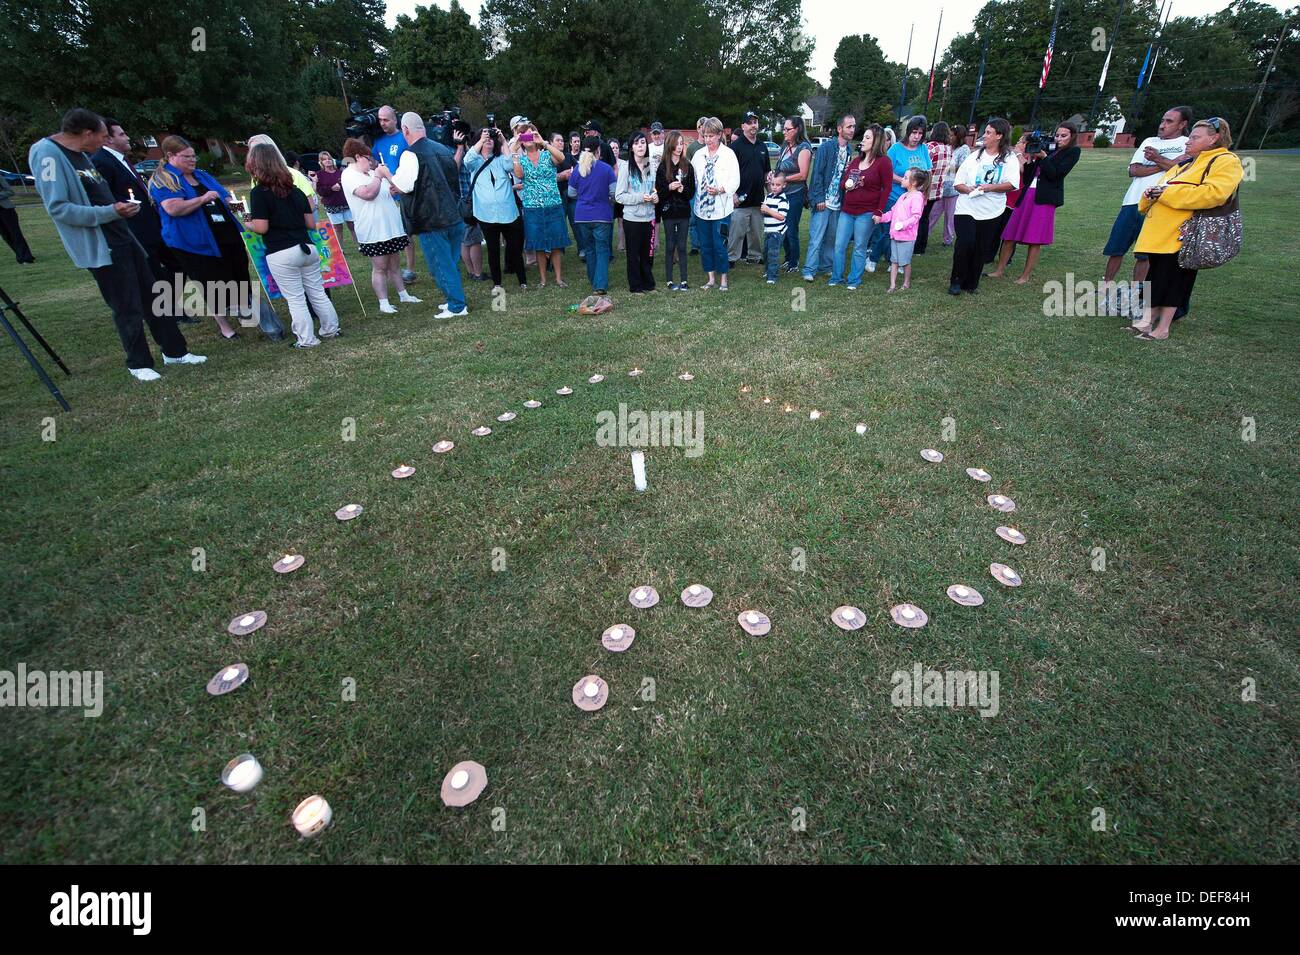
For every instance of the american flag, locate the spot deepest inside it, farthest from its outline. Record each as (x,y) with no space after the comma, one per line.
(1047,57)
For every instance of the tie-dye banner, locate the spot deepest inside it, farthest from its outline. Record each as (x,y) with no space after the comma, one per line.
(333,266)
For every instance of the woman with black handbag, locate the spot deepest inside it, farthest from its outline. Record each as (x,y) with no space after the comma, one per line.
(1192,222)
(492,204)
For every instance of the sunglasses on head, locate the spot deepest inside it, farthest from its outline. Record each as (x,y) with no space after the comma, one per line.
(1213,122)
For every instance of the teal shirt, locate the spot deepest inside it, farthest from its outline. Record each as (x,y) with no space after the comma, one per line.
(905,159)
(540,188)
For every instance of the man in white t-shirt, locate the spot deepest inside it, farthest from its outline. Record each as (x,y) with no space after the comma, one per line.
(1151,160)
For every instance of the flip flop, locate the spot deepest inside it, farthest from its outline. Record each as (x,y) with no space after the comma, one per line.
(1148,337)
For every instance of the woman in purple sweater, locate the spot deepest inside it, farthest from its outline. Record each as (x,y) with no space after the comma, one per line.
(592,184)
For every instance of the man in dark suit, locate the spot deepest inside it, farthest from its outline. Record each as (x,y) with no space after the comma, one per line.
(114,164)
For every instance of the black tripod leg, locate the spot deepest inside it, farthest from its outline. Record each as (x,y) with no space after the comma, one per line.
(27,353)
(13,306)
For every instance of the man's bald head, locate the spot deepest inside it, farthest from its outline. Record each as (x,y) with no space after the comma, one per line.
(412,127)
(388,119)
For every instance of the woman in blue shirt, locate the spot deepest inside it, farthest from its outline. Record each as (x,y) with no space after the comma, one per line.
(493,187)
(199,227)
(908,153)
(592,185)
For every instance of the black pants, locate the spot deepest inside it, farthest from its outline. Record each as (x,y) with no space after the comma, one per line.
(995,240)
(640,267)
(675,245)
(512,233)
(974,239)
(923,229)
(13,235)
(127,287)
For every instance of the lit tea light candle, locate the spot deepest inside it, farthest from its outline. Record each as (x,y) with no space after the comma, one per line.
(616,633)
(752,618)
(591,689)
(481,432)
(686,376)
(788,408)
(229,674)
(861,427)
(961,591)
(642,594)
(767,401)
(849,614)
(506,416)
(931,455)
(459,779)
(351,508)
(566,390)
(814,415)
(312,815)
(634,372)
(595,379)
(999,499)
(403,471)
(745,389)
(247,620)
(908,612)
(694,589)
(287,559)
(531,403)
(242,773)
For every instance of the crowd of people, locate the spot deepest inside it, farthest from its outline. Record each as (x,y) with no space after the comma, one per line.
(532,196)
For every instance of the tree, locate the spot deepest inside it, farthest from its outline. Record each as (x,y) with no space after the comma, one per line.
(440,51)
(1282,107)
(862,81)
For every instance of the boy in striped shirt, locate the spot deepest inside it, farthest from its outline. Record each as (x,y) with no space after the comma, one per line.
(775,208)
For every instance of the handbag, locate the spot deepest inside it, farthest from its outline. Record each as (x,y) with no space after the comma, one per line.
(467,204)
(1211,237)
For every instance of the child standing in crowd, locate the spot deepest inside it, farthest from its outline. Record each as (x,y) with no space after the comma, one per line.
(775,209)
(904,221)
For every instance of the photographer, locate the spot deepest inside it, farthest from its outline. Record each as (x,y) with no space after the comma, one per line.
(1033,221)
(471,244)
(493,195)
(545,228)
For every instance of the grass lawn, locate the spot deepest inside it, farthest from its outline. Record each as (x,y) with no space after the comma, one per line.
(1119,689)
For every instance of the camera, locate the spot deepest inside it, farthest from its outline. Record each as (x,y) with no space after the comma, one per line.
(1039,143)
(364,122)
(442,125)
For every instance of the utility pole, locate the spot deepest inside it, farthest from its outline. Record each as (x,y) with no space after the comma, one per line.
(1286,28)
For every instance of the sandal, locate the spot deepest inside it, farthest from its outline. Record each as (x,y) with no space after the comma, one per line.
(1148,337)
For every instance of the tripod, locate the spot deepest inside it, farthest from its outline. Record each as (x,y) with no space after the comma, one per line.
(9,305)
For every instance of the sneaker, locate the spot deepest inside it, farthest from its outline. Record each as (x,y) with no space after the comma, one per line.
(387,309)
(408,276)
(954,289)
(408,299)
(851,288)
(809,278)
(337,333)
(672,286)
(771,281)
(497,288)
(683,287)
(789,269)
(189,358)
(871,266)
(301,344)
(832,283)
(448,313)
(144,374)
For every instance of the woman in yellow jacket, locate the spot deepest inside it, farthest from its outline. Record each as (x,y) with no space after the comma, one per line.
(1181,191)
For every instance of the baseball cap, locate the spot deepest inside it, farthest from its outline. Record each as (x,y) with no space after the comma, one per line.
(593,125)
(656,127)
(750,115)
(517,120)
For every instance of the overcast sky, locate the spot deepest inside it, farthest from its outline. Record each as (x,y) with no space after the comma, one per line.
(826,21)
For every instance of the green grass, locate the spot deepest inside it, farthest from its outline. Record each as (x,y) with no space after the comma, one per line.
(1119,689)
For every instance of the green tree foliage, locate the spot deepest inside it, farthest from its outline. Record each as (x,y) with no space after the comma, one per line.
(440,52)
(863,82)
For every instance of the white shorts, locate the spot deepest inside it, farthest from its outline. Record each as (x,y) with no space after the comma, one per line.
(338,218)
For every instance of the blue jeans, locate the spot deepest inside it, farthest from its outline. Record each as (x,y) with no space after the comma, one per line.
(792,227)
(695,230)
(859,229)
(821,228)
(593,239)
(441,249)
(773,243)
(713,249)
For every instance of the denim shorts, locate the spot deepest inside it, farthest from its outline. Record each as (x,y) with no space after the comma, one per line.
(1125,231)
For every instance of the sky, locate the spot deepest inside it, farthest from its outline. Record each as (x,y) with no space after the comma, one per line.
(825,20)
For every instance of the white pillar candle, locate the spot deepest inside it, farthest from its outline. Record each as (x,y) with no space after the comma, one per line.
(242,773)
(638,470)
(459,779)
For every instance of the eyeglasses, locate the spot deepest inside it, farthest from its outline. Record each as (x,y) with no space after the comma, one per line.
(1214,121)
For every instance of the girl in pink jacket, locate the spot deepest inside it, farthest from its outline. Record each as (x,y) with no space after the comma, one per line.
(904,219)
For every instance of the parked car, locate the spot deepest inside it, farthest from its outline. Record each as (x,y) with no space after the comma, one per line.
(145,167)
(773,150)
(18,178)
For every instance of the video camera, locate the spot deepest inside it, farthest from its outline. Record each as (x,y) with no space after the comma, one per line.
(1039,143)
(364,122)
(442,125)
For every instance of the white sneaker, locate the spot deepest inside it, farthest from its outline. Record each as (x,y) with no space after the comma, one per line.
(189,358)
(448,313)
(387,309)
(408,276)
(409,299)
(144,374)
(871,266)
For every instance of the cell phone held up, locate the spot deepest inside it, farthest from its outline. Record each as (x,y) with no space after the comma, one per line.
(526,137)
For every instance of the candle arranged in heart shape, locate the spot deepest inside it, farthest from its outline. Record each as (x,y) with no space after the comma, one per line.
(1001,503)
(1005,575)
(860,427)
(745,389)
(643,597)
(814,415)
(908,615)
(348,512)
(506,416)
(848,618)
(697,595)
(686,376)
(1011,535)
(566,390)
(532,403)
(463,783)
(228,678)
(595,379)
(288,563)
(403,471)
(754,622)
(482,431)
(246,623)
(590,693)
(442,447)
(312,815)
(966,596)
(618,638)
(978,474)
(931,455)
(767,401)
(635,372)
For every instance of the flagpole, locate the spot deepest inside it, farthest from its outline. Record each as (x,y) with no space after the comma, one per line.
(979,80)
(934,57)
(1147,59)
(1114,37)
(1142,96)
(902,98)
(943,100)
(1042,83)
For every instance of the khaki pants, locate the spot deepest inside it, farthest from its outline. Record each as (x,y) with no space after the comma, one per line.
(297,273)
(746,224)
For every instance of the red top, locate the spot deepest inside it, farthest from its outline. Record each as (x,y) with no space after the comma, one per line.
(873,187)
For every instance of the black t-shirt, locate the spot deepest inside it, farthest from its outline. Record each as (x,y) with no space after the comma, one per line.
(754,164)
(284,215)
(116,232)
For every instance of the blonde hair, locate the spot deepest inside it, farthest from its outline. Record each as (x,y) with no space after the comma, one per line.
(712,125)
(1222,130)
(161,177)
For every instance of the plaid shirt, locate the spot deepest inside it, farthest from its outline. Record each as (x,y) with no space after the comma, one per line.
(940,158)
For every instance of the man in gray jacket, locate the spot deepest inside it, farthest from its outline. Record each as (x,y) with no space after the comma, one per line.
(94,232)
(824,197)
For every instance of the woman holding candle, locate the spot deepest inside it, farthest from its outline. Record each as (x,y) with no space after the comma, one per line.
(636,191)
(545,230)
(281,214)
(675,183)
(982,184)
(717,175)
(1209,178)
(329,189)
(866,183)
(381,236)
(200,228)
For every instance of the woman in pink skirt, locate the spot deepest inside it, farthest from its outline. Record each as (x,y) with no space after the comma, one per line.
(1034,218)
